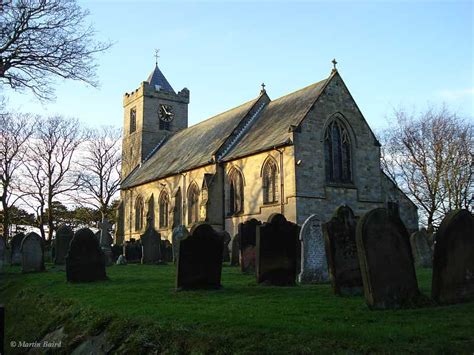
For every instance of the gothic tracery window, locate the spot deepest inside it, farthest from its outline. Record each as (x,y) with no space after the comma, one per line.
(269,176)
(139,213)
(236,192)
(193,204)
(164,208)
(337,153)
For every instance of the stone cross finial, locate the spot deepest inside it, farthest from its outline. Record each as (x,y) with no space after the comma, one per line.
(157,51)
(263,88)
(334,62)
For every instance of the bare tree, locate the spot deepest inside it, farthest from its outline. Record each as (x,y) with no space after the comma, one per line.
(15,130)
(430,156)
(99,178)
(43,39)
(49,167)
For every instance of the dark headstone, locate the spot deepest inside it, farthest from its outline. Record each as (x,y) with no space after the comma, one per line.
(386,262)
(85,259)
(180,232)
(151,246)
(226,252)
(3,252)
(200,259)
(235,250)
(341,251)
(248,244)
(166,251)
(64,236)
(314,265)
(453,261)
(117,250)
(15,246)
(276,251)
(32,253)
(106,240)
(132,250)
(421,249)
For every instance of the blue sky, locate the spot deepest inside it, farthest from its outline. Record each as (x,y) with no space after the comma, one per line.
(390,54)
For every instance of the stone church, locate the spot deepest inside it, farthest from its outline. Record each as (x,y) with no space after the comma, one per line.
(306,152)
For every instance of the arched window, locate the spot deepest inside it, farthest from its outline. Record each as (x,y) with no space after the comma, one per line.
(150,216)
(236,192)
(139,211)
(337,153)
(269,176)
(177,214)
(164,207)
(133,119)
(193,204)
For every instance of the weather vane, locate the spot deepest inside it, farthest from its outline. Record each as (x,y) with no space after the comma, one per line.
(157,51)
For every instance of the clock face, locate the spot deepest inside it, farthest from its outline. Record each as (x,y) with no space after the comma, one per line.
(166,113)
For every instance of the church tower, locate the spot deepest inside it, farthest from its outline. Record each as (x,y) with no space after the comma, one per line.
(151,113)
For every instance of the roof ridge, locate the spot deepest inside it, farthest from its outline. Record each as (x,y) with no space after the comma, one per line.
(305,88)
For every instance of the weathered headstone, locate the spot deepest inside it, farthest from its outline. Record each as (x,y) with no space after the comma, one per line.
(106,241)
(276,251)
(453,261)
(235,250)
(166,251)
(64,236)
(341,250)
(15,246)
(32,253)
(132,250)
(226,253)
(248,244)
(180,232)
(314,266)
(386,262)
(3,252)
(117,250)
(421,249)
(121,260)
(85,259)
(200,259)
(151,246)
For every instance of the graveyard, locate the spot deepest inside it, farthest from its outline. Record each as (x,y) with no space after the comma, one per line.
(138,308)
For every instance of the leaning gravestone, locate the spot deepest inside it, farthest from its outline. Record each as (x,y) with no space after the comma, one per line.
(314,265)
(85,260)
(421,249)
(386,262)
(15,246)
(235,250)
(341,251)
(64,236)
(151,246)
(248,244)
(453,261)
(180,232)
(226,252)
(3,252)
(276,253)
(200,259)
(32,253)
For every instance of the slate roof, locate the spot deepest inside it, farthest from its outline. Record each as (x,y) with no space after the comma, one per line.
(156,78)
(272,127)
(190,147)
(195,146)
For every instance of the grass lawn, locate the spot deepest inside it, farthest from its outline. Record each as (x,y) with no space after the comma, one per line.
(139,309)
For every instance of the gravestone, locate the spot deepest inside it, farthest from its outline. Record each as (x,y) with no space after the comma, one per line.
(117,250)
(200,259)
(248,245)
(386,262)
(453,261)
(106,240)
(85,260)
(151,246)
(15,246)
(341,251)
(314,266)
(3,252)
(421,249)
(235,250)
(63,238)
(226,252)
(121,260)
(276,253)
(180,232)
(32,253)
(166,251)
(132,250)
